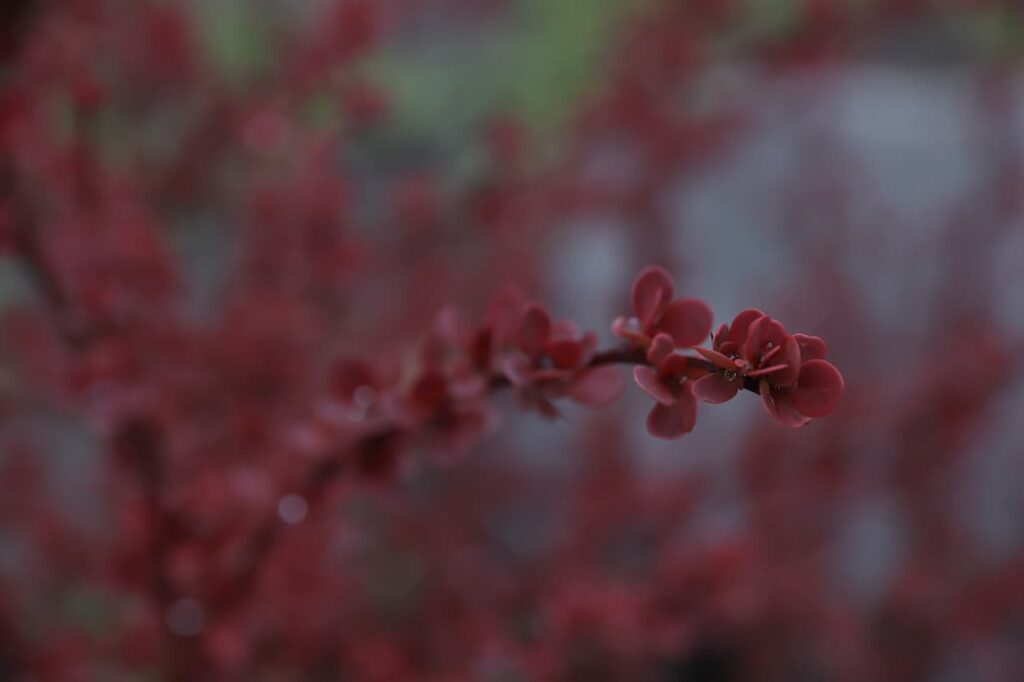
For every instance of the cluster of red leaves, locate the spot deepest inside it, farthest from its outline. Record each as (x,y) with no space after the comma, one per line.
(790,373)
(518,344)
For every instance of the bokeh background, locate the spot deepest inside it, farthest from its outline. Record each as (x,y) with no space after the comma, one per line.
(208,208)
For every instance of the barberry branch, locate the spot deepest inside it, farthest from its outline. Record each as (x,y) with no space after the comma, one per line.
(377,444)
(541,360)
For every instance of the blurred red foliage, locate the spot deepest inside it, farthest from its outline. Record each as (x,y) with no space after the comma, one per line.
(278,417)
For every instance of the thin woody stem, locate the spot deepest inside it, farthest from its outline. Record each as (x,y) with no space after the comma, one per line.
(636,356)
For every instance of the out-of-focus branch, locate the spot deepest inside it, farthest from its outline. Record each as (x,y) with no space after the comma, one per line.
(28,245)
(252,558)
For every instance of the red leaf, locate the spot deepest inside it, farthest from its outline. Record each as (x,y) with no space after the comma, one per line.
(534,329)
(688,320)
(597,387)
(652,289)
(649,380)
(714,388)
(811,347)
(820,387)
(673,421)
